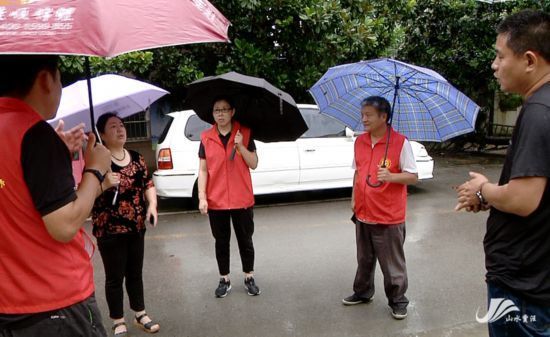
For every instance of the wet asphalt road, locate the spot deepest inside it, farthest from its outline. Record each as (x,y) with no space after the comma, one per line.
(305,265)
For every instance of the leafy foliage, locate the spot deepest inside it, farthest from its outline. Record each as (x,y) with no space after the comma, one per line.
(291,43)
(456,38)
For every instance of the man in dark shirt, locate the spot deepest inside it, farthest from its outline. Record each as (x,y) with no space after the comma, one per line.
(517,242)
(46,276)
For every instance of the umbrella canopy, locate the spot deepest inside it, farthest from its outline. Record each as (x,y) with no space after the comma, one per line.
(112,93)
(269,112)
(106,27)
(425,106)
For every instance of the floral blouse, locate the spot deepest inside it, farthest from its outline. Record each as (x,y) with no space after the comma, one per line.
(127,215)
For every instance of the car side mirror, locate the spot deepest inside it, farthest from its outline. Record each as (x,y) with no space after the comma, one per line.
(350,133)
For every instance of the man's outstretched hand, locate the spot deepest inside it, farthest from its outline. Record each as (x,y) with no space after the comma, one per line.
(73,138)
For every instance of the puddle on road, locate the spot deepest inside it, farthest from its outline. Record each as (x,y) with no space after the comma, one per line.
(468,159)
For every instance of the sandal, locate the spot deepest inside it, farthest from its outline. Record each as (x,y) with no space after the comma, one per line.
(150,327)
(121,333)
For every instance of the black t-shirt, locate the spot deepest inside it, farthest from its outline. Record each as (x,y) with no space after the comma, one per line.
(225,139)
(47,170)
(517,249)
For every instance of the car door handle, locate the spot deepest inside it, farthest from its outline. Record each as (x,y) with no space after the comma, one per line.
(310,150)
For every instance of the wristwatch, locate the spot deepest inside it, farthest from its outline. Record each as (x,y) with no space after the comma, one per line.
(482,200)
(96,173)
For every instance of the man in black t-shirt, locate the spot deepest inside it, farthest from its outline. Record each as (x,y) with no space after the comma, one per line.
(517,242)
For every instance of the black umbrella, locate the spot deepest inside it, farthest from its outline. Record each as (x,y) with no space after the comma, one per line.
(270,113)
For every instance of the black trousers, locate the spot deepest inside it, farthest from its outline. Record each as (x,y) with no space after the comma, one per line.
(385,244)
(82,319)
(243,224)
(122,257)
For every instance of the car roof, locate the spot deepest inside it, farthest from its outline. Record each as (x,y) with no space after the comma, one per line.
(183,112)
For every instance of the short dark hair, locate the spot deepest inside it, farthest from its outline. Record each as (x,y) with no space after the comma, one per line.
(527,30)
(19,72)
(223,98)
(102,121)
(380,104)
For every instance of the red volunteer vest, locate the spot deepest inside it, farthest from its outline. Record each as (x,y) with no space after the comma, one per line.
(37,273)
(229,184)
(385,204)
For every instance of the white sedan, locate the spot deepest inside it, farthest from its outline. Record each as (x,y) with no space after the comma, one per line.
(320,159)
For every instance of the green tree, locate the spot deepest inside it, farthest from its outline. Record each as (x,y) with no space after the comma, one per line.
(456,38)
(291,43)
(135,64)
(170,68)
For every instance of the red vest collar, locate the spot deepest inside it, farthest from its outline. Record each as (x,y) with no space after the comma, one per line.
(384,138)
(213,133)
(8,104)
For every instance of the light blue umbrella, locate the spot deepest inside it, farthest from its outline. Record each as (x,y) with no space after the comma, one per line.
(425,106)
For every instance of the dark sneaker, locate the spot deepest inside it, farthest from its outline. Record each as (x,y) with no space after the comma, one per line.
(223,288)
(251,287)
(399,313)
(355,299)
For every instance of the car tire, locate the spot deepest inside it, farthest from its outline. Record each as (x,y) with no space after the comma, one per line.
(194,200)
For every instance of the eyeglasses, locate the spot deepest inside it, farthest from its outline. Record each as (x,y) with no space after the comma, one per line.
(221,111)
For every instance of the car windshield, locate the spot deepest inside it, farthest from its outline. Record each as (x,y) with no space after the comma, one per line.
(321,125)
(165,131)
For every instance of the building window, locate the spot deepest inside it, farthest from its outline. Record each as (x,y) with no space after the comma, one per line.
(137,126)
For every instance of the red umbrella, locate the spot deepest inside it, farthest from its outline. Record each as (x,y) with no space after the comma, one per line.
(106,27)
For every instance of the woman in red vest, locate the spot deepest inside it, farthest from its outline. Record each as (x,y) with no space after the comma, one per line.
(227,153)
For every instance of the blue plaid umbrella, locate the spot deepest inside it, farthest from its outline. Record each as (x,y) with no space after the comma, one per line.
(425,106)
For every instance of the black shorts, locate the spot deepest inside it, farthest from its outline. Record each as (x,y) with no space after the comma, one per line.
(82,319)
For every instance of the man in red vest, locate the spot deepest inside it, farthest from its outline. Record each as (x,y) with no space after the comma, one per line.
(379,201)
(46,275)
(227,153)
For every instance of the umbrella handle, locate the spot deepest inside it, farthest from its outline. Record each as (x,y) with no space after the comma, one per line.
(232,156)
(380,183)
(115,197)
(90,99)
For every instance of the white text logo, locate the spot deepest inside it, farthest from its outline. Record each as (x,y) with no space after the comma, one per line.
(498,308)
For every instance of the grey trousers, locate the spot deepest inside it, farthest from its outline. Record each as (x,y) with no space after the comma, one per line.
(385,244)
